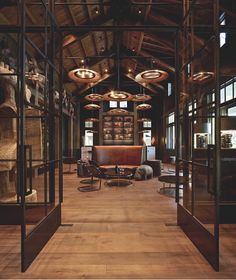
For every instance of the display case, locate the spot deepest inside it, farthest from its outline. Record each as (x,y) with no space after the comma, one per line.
(118,130)
(201,140)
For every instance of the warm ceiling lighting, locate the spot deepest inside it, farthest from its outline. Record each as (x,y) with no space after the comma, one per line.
(143,131)
(143,107)
(92,106)
(143,120)
(201,77)
(151,76)
(117,95)
(92,120)
(84,75)
(141,98)
(118,111)
(106,70)
(139,11)
(94,97)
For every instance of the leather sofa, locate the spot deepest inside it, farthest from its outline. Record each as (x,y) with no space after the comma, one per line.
(123,156)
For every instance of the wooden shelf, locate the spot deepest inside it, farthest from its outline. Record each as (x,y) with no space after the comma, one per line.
(118,130)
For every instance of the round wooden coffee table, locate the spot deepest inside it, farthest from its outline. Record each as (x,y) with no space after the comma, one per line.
(120,178)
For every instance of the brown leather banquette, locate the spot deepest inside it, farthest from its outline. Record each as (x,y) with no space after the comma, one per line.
(123,156)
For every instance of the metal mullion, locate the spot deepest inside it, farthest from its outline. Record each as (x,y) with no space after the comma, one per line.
(60,121)
(177,121)
(21,165)
(197,53)
(17,99)
(9,74)
(191,21)
(46,111)
(36,48)
(51,117)
(217,127)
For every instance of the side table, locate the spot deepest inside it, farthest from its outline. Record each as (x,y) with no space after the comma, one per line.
(156,166)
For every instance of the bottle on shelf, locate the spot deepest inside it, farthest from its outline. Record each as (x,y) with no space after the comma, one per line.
(116,169)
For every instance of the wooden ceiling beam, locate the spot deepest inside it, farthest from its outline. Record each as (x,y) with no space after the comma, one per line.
(161,41)
(157,48)
(86,9)
(87,87)
(149,87)
(74,20)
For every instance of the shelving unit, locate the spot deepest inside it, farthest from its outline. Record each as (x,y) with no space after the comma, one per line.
(118,130)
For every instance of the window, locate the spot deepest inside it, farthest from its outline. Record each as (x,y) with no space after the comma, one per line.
(123,104)
(88,124)
(222,95)
(231,111)
(170,131)
(169,89)
(147,124)
(222,34)
(229,92)
(88,138)
(147,136)
(113,104)
(189,69)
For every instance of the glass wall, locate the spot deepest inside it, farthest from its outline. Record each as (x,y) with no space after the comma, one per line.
(30,127)
(197,127)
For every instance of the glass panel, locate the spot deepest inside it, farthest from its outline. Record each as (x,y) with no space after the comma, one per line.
(9,12)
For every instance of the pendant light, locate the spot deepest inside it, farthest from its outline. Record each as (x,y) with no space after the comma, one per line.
(118,95)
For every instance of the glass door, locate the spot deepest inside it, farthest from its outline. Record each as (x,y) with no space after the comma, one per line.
(30,127)
(197,118)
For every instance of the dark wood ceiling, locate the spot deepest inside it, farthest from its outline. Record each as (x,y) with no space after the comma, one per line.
(95,32)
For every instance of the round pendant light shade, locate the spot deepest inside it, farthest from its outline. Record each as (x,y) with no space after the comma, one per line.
(92,120)
(141,98)
(143,107)
(118,111)
(143,131)
(201,77)
(151,76)
(143,120)
(83,75)
(94,97)
(92,106)
(92,131)
(118,95)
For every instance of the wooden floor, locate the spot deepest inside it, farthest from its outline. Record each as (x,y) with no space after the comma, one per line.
(126,233)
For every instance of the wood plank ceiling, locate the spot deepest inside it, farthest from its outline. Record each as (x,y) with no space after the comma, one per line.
(138,50)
